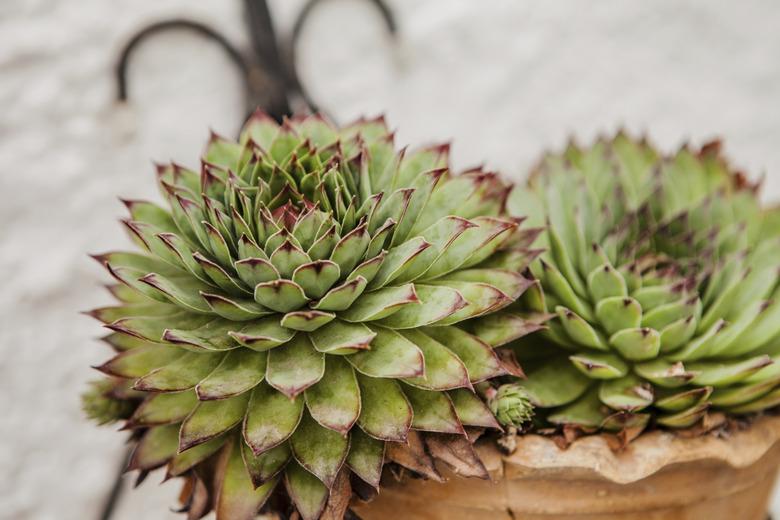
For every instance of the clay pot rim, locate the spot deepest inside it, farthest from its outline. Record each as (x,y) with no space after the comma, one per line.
(591,456)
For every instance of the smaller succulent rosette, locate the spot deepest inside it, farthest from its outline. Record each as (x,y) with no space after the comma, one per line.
(311,294)
(511,405)
(663,276)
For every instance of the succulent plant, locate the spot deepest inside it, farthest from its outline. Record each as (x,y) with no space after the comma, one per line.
(662,274)
(510,404)
(308,296)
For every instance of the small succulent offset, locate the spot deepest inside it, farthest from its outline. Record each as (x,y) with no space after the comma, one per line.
(308,296)
(663,276)
(510,404)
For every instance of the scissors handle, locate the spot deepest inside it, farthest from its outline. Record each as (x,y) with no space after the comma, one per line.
(268,68)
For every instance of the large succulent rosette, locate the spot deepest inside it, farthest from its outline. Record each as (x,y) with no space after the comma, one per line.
(662,273)
(309,297)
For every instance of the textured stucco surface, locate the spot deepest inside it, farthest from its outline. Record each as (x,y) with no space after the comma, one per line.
(504,79)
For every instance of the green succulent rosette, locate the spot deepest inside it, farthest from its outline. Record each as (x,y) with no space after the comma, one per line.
(662,275)
(510,404)
(310,295)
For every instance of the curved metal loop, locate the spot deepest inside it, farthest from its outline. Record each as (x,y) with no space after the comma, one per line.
(296,86)
(270,76)
(174,24)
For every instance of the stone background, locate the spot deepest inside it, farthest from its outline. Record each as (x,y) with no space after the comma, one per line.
(504,79)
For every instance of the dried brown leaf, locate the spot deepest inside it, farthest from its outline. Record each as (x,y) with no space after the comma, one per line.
(474,433)
(508,361)
(457,452)
(340,495)
(413,456)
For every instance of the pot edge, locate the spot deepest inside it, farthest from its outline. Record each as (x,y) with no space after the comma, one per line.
(646,455)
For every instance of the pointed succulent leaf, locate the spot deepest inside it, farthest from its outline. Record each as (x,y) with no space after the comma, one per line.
(307,492)
(555,384)
(182,374)
(679,400)
(271,418)
(699,346)
(167,408)
(240,371)
(152,328)
(366,457)
(334,402)
(253,271)
(212,418)
(637,344)
(765,328)
(719,374)
(221,277)
(235,309)
(248,249)
(652,296)
(598,365)
(213,336)
(390,355)
(433,411)
(263,334)
(397,260)
(218,244)
(557,284)
(316,278)
(563,259)
(580,330)
(685,418)
(155,448)
(306,321)
(769,400)
(618,312)
(238,498)
(382,303)
(287,258)
(471,410)
(280,295)
(341,337)
(480,299)
(627,393)
(677,334)
(185,293)
(264,467)
(319,450)
(443,369)
(669,313)
(186,460)
(294,367)
(503,327)
(440,235)
(140,361)
(586,412)
(385,413)
(350,249)
(605,282)
(114,313)
(342,297)
(469,242)
(435,304)
(478,357)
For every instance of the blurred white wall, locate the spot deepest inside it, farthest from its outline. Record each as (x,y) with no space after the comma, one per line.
(504,79)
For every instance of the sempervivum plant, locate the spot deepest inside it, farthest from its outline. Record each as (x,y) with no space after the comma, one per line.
(308,296)
(662,274)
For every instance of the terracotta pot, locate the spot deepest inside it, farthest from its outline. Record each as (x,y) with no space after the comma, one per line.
(659,476)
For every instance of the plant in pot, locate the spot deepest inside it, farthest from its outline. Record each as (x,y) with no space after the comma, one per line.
(311,304)
(661,274)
